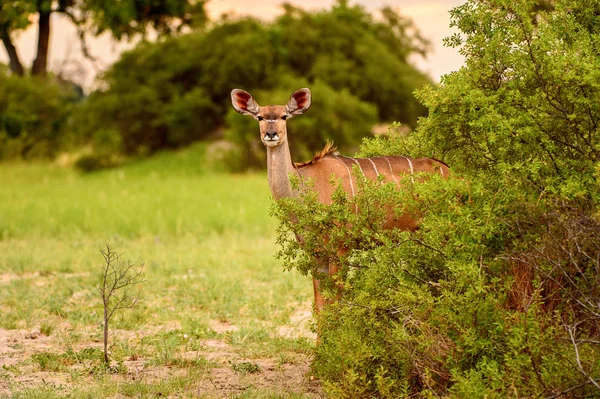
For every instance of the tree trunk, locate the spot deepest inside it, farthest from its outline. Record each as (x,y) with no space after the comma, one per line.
(15,64)
(105,331)
(41,60)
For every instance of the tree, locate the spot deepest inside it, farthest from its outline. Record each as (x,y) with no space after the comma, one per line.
(116,279)
(349,49)
(13,17)
(123,19)
(33,115)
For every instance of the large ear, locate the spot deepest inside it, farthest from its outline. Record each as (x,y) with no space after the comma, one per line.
(299,102)
(244,103)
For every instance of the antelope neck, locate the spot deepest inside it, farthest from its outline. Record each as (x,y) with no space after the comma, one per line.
(279,167)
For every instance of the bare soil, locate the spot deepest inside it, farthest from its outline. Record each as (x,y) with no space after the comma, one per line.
(19,372)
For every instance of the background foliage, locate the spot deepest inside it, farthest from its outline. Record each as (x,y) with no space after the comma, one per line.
(337,114)
(33,115)
(122,19)
(175,91)
(496,294)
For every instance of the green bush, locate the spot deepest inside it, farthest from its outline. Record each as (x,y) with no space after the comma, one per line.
(33,115)
(173,92)
(496,294)
(350,49)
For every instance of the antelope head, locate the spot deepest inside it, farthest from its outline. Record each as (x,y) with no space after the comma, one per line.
(272,118)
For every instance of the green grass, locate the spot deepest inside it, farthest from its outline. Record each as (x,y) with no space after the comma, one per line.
(205,239)
(150,200)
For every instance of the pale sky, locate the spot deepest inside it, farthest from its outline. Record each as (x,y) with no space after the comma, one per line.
(430,16)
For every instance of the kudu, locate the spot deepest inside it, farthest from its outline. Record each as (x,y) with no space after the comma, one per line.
(272,121)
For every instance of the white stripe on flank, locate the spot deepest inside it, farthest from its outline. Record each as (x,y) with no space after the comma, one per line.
(392,171)
(442,170)
(374,167)
(358,163)
(409,165)
(349,174)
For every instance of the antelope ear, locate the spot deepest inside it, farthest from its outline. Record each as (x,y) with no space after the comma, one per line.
(299,102)
(244,103)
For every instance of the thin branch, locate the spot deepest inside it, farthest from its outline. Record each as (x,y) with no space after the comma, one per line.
(82,39)
(420,242)
(562,393)
(577,359)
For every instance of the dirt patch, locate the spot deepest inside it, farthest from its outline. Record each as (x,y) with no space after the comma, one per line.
(16,349)
(300,323)
(8,278)
(15,345)
(222,326)
(224,382)
(226,373)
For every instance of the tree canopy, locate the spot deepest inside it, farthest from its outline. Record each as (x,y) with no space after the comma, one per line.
(33,115)
(123,19)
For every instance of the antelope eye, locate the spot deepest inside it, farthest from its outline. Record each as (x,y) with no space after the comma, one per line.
(260,118)
(284,117)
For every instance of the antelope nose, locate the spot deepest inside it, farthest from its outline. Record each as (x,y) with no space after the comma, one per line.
(270,135)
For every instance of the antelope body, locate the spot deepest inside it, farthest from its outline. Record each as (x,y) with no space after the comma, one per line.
(272,121)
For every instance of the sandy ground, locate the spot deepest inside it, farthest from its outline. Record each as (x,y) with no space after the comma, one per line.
(18,371)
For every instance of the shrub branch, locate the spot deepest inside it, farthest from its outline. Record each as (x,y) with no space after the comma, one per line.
(116,277)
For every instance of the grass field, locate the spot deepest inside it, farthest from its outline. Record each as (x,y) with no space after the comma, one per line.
(218,316)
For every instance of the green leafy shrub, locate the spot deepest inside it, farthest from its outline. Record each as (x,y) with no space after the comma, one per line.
(33,115)
(173,92)
(350,49)
(496,294)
